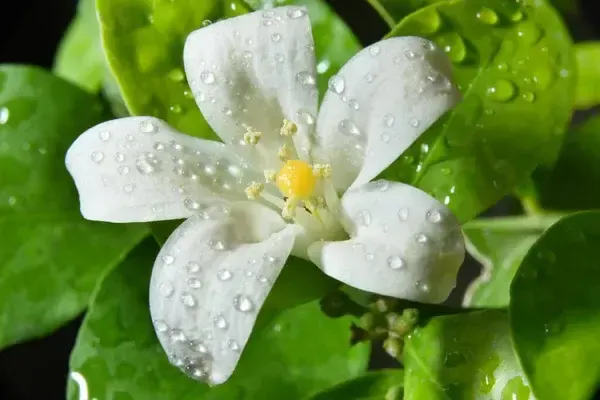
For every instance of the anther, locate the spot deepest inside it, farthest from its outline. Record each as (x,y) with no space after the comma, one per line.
(253,190)
(270,175)
(322,170)
(251,136)
(283,153)
(288,129)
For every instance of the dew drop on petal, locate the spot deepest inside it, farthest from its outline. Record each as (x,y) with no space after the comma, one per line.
(276,37)
(188,300)
(348,127)
(433,216)
(369,256)
(220,322)
(168,259)
(243,303)
(194,283)
(104,136)
(148,126)
(306,79)
(375,50)
(207,77)
(396,262)
(166,289)
(295,13)
(216,245)
(193,267)
(306,117)
(403,214)
(383,185)
(353,104)
(161,326)
(233,345)
(224,274)
(388,120)
(337,84)
(422,238)
(97,157)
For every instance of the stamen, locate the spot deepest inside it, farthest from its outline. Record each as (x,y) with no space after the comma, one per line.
(310,207)
(289,210)
(288,129)
(252,136)
(322,170)
(270,175)
(320,201)
(253,190)
(284,152)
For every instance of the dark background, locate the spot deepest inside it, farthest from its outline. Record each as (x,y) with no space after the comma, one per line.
(29,34)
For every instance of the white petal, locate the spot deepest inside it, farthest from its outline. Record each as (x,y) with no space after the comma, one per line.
(392,92)
(138,169)
(209,283)
(254,71)
(404,243)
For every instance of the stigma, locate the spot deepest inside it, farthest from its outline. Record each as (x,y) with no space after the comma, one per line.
(296,179)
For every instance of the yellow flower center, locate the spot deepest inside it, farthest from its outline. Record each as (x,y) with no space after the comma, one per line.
(296,179)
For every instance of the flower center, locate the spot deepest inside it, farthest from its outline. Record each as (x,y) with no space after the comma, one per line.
(296,179)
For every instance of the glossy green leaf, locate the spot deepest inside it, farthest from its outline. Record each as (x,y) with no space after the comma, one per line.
(513,65)
(378,385)
(587,56)
(334,41)
(499,244)
(570,184)
(297,353)
(465,356)
(555,312)
(51,258)
(392,11)
(80,58)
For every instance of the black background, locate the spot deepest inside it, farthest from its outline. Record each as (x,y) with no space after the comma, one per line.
(29,34)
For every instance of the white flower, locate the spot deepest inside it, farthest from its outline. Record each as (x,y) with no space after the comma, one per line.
(273,189)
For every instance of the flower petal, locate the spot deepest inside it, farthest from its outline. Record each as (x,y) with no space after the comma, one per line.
(209,283)
(404,243)
(138,169)
(380,102)
(255,71)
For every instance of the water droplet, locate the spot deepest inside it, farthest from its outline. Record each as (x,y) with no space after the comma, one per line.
(128,188)
(529,97)
(12,200)
(429,20)
(206,23)
(385,137)
(348,127)
(243,303)
(119,157)
(363,218)
(529,32)
(502,91)
(389,120)
(216,245)
(487,16)
(168,259)
(306,79)
(279,57)
(200,96)
(517,16)
(422,286)
(369,78)
(4,115)
(146,164)
(176,75)
(227,111)
(224,274)
(403,214)
(414,123)
(383,185)
(104,136)
(207,77)
(148,126)
(433,216)
(396,262)
(515,389)
(188,300)
(220,322)
(295,13)
(192,267)
(353,104)
(166,289)
(123,170)
(453,46)
(233,345)
(276,37)
(161,326)
(177,335)
(176,108)
(305,117)
(337,84)
(369,257)
(97,157)
(158,146)
(375,50)
(421,238)
(408,54)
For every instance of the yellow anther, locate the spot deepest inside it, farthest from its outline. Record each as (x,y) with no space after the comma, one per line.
(320,201)
(322,170)
(283,153)
(253,190)
(270,175)
(251,136)
(288,129)
(296,180)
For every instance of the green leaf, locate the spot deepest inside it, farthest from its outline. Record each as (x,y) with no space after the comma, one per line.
(298,352)
(499,244)
(465,356)
(555,312)
(517,83)
(569,185)
(393,11)
(587,56)
(80,58)
(379,385)
(51,258)
(334,41)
